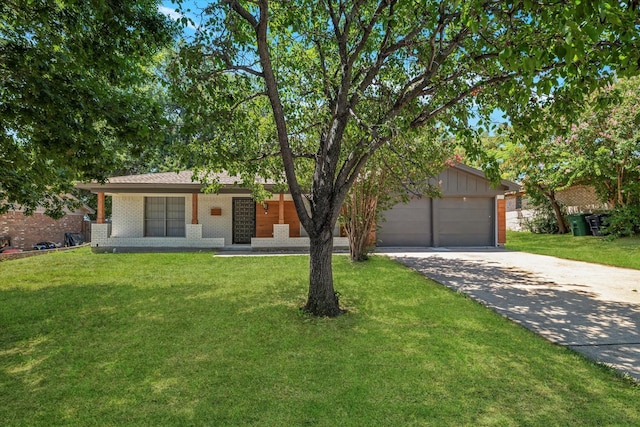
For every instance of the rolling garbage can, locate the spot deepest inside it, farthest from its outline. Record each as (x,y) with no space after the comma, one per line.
(596,223)
(579,226)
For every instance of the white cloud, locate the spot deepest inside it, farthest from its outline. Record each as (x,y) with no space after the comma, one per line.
(169,12)
(172,14)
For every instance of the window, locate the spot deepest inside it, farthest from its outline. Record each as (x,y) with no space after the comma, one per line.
(518,202)
(164,217)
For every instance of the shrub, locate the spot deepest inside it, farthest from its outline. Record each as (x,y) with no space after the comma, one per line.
(624,221)
(543,220)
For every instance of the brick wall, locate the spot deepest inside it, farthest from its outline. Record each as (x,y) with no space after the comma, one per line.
(580,197)
(577,198)
(27,230)
(281,240)
(127,213)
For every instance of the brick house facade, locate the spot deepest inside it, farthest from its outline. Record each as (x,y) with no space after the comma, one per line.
(26,230)
(577,198)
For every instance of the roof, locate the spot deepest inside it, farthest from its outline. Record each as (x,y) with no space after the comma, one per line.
(183,177)
(183,181)
(508,185)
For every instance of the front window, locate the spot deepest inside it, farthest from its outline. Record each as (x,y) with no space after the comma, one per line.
(164,217)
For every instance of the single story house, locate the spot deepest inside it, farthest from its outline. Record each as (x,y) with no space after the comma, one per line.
(170,211)
(577,198)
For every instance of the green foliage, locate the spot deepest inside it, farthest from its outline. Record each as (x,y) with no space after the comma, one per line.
(605,143)
(543,219)
(624,221)
(394,174)
(600,147)
(352,75)
(193,339)
(76,94)
(314,89)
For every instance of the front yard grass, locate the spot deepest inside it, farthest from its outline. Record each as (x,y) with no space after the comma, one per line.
(191,339)
(623,252)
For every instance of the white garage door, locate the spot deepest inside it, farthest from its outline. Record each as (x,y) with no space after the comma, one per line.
(466,221)
(406,224)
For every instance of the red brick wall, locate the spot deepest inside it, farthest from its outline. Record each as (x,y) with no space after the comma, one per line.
(24,231)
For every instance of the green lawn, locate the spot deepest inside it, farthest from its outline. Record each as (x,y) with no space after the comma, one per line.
(624,252)
(191,339)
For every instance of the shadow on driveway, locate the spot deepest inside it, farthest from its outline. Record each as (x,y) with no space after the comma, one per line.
(566,314)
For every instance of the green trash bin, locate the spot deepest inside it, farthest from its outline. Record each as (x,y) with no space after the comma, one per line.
(579,225)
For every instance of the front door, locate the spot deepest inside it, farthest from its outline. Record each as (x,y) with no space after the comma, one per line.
(244,220)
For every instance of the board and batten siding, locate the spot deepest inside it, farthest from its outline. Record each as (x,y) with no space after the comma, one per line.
(455,182)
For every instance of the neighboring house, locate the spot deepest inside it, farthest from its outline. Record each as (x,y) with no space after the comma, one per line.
(169,211)
(580,198)
(575,199)
(24,231)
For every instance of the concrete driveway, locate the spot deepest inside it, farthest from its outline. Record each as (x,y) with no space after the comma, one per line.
(590,308)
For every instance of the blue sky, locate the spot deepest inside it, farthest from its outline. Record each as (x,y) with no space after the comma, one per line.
(168,8)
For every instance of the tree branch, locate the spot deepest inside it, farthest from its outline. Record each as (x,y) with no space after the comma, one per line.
(367,30)
(244,13)
(271,83)
(323,68)
(244,68)
(254,96)
(279,153)
(425,116)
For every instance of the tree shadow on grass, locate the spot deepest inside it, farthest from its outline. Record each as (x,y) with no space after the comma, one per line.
(569,315)
(127,355)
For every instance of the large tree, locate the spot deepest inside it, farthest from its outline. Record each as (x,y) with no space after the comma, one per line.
(605,143)
(320,86)
(75,93)
(535,159)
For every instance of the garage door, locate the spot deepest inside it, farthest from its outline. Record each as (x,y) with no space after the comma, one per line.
(406,224)
(466,221)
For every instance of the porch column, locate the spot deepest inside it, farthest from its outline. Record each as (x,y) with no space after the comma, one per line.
(281,209)
(194,208)
(100,219)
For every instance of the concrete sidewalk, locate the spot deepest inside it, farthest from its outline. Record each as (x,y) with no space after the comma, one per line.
(590,308)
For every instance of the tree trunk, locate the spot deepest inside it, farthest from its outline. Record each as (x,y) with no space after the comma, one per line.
(322,300)
(562,227)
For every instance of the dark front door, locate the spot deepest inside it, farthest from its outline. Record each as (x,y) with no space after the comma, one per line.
(244,219)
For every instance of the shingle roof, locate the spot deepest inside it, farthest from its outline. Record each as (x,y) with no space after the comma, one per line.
(183,177)
(164,181)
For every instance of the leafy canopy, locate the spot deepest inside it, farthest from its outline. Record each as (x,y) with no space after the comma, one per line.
(74,93)
(605,143)
(349,75)
(314,89)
